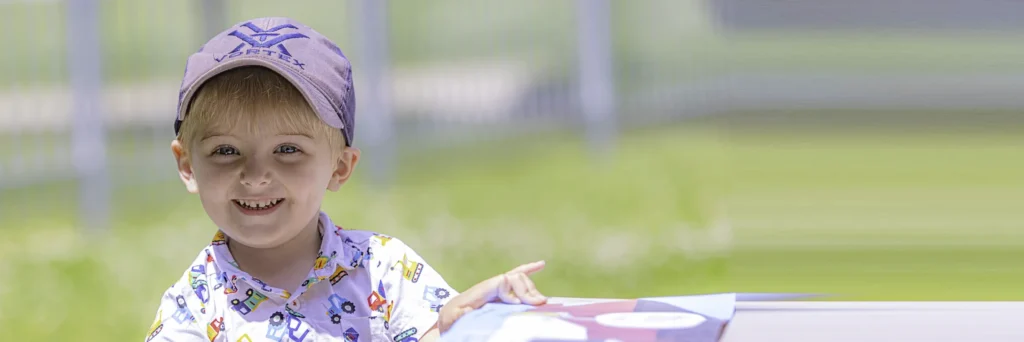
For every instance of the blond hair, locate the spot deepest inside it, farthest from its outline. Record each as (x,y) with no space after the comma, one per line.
(259,95)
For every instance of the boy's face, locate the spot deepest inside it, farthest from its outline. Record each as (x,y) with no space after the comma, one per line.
(262,189)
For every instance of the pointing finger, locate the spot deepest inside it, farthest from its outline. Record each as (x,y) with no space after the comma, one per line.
(530,268)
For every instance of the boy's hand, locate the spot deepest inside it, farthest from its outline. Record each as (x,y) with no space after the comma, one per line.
(512,287)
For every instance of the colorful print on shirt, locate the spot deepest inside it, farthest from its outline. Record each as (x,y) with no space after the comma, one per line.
(363,286)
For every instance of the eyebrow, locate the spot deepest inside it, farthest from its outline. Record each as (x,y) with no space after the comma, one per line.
(298,134)
(209,135)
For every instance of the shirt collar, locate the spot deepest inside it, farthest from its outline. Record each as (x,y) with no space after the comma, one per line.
(328,263)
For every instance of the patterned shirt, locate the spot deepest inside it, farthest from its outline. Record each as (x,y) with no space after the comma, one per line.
(364,286)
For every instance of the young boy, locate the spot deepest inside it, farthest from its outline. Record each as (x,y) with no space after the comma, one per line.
(265,125)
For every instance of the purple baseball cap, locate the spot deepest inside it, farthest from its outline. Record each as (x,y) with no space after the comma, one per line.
(310,61)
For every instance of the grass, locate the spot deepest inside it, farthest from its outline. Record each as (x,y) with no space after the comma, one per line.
(863,213)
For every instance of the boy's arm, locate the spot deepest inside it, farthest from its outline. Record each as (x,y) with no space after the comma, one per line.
(432,335)
(513,287)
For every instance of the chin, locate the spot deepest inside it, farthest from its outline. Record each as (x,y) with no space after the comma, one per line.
(262,232)
(254,237)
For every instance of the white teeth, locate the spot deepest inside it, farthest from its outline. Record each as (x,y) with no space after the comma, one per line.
(259,204)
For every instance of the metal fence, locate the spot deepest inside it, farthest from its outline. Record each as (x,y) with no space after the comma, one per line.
(88,87)
(89,96)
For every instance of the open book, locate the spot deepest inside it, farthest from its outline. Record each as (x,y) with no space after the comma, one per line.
(698,318)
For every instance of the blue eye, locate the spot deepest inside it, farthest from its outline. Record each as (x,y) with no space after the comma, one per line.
(287,149)
(225,150)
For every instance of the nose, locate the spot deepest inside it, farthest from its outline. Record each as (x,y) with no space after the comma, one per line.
(255,174)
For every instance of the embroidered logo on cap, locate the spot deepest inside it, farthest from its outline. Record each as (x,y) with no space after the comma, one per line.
(264,41)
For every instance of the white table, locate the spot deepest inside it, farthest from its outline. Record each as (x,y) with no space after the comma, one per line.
(799,321)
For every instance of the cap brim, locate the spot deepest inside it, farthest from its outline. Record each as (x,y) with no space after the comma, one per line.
(312,93)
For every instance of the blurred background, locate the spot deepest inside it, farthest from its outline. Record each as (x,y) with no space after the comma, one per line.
(865,148)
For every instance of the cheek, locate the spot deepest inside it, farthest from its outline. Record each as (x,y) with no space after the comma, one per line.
(207,173)
(309,178)
(213,179)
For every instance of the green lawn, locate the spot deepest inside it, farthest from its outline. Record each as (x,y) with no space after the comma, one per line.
(862,213)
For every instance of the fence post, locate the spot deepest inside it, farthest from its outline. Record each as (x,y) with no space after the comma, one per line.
(214,14)
(88,138)
(596,79)
(374,122)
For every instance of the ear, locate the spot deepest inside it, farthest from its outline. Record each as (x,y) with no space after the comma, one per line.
(184,166)
(347,163)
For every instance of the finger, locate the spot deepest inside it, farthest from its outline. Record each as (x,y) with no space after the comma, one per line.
(538,297)
(506,290)
(521,289)
(530,268)
(529,294)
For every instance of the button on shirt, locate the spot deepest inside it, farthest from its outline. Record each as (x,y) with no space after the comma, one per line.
(364,286)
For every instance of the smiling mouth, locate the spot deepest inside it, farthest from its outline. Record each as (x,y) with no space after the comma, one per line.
(258,204)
